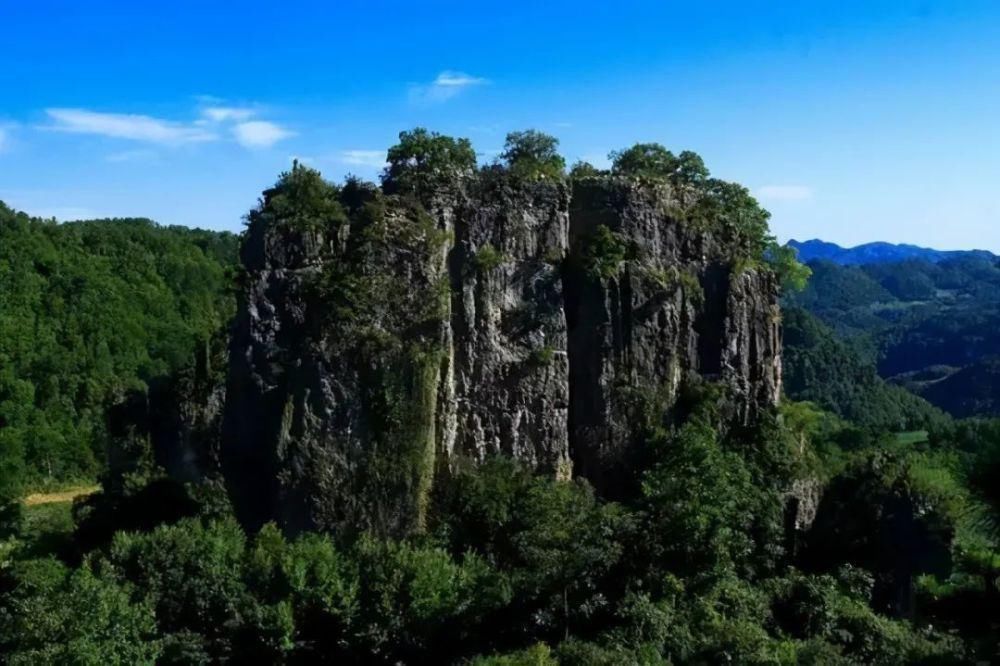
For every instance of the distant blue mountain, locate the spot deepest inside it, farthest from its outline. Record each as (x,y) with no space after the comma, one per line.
(877,253)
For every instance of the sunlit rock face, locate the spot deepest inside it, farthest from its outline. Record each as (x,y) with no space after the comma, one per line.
(376,351)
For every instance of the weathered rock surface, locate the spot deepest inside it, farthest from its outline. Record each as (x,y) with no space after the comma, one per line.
(378,349)
(674,304)
(510,370)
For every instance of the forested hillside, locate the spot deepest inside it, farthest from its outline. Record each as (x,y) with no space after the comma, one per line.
(877,253)
(742,526)
(837,376)
(931,327)
(88,311)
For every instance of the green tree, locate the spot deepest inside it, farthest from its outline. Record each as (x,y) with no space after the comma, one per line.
(533,155)
(62,617)
(90,311)
(300,200)
(784,261)
(583,169)
(644,160)
(424,162)
(651,161)
(193,574)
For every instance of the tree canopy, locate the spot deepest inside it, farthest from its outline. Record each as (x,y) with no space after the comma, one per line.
(424,161)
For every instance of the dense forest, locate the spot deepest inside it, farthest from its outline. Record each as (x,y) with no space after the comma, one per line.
(852,523)
(89,311)
(929,326)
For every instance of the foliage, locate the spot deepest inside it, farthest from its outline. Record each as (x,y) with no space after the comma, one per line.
(730,208)
(424,162)
(603,253)
(55,616)
(651,161)
(582,169)
(88,311)
(783,259)
(488,258)
(823,369)
(643,160)
(523,569)
(532,155)
(929,326)
(301,200)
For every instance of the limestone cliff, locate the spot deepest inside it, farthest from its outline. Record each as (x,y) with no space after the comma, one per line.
(385,341)
(650,299)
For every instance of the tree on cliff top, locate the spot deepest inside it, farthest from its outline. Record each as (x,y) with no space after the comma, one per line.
(653,161)
(424,161)
(582,169)
(532,155)
(300,199)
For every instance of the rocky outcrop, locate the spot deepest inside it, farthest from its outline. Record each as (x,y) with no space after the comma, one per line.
(335,365)
(652,298)
(380,343)
(509,375)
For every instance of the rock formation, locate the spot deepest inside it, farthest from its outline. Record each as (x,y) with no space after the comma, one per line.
(384,342)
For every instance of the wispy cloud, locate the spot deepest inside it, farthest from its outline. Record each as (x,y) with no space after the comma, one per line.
(220,114)
(260,133)
(214,122)
(784,193)
(366,158)
(448,84)
(4,140)
(127,126)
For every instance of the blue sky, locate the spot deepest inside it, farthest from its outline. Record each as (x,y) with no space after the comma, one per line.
(851,121)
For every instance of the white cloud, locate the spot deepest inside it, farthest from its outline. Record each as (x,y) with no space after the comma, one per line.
(219,114)
(127,126)
(3,139)
(448,84)
(366,158)
(450,79)
(259,133)
(784,193)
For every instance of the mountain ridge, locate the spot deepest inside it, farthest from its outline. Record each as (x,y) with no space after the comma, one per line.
(878,252)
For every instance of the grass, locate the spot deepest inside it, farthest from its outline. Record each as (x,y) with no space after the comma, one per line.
(911,437)
(62,496)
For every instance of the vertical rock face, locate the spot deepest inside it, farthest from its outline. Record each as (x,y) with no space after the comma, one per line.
(650,298)
(274,370)
(510,367)
(751,355)
(336,355)
(385,344)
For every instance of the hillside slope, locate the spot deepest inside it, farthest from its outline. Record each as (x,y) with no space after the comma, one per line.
(88,311)
(877,253)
